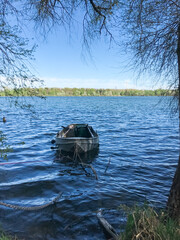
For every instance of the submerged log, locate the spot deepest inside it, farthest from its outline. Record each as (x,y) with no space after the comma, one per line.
(107,227)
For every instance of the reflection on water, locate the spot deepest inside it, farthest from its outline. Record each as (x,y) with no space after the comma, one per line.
(85,157)
(135,163)
(74,160)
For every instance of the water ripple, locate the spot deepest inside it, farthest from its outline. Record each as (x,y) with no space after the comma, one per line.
(136,162)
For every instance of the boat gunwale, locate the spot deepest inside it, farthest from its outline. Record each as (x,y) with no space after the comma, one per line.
(77,138)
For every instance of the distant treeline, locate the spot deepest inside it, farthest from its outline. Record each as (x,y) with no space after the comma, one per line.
(83,92)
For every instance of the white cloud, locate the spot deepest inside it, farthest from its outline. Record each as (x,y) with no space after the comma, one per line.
(95,83)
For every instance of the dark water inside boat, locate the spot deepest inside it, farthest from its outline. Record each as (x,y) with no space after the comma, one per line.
(136,161)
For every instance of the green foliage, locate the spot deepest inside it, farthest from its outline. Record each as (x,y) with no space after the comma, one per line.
(3,236)
(84,92)
(146,224)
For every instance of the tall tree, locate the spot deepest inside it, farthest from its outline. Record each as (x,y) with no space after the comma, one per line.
(15,52)
(154,31)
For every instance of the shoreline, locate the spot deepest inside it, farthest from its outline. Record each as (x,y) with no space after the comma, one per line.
(83,92)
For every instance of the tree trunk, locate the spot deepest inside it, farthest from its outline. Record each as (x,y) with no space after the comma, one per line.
(173,204)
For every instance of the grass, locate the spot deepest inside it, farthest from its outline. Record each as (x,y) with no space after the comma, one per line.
(4,236)
(146,224)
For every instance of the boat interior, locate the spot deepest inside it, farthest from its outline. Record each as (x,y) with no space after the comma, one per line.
(78,130)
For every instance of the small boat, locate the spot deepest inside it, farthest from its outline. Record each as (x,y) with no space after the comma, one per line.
(77,137)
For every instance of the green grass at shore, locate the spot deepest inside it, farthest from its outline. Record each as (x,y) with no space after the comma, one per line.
(83,92)
(4,236)
(146,224)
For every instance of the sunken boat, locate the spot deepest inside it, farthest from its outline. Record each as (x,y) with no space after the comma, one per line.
(77,137)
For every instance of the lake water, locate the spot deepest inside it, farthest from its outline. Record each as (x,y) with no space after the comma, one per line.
(136,162)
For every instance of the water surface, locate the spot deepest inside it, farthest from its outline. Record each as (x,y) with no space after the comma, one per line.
(138,143)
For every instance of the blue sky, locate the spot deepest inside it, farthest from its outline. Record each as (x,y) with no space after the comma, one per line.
(62,62)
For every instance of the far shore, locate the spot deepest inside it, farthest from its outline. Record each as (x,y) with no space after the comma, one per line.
(45,92)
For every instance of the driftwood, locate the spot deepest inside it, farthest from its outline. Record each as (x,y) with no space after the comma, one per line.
(90,166)
(107,165)
(77,157)
(87,165)
(107,227)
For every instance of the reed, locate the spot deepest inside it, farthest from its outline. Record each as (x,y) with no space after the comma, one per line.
(146,224)
(6,236)
(3,236)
